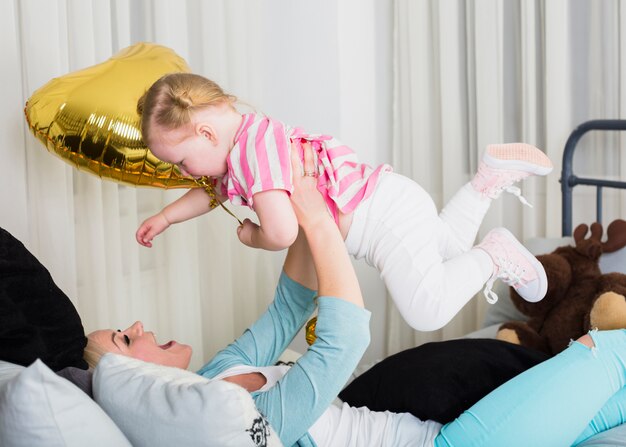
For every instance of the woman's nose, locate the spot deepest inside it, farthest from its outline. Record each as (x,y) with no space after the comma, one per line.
(137,327)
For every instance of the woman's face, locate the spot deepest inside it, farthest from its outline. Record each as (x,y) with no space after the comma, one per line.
(135,342)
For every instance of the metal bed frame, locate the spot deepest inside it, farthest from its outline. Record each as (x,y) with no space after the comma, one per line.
(569,180)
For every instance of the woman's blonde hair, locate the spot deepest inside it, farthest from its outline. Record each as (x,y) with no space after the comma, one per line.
(93,352)
(171,101)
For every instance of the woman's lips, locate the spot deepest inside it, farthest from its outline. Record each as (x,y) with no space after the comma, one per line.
(168,345)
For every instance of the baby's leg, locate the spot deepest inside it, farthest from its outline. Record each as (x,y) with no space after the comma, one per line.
(461,219)
(550,404)
(502,165)
(398,231)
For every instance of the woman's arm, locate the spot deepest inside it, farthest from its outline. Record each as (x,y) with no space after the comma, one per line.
(306,391)
(335,273)
(263,342)
(278,225)
(299,264)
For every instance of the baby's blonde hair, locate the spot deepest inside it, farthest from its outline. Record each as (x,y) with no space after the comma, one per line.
(172,99)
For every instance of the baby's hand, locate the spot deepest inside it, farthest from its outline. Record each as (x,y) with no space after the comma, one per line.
(244,232)
(150,228)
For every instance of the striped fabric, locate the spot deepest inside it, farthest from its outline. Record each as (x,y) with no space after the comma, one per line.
(260,161)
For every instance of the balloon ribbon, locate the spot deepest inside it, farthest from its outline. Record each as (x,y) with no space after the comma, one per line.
(205,183)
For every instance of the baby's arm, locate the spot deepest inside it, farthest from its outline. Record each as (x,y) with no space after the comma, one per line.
(278,227)
(194,203)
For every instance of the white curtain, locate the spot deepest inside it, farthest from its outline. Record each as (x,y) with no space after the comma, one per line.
(304,63)
(422,84)
(471,73)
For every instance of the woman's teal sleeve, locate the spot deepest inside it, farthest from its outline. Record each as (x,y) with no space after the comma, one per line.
(267,339)
(310,386)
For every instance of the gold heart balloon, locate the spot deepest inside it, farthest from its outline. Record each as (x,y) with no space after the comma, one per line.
(89,117)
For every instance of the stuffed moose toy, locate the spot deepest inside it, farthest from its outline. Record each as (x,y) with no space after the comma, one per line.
(579,297)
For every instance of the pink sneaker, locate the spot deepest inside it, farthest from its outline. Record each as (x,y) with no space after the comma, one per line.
(515,265)
(503,165)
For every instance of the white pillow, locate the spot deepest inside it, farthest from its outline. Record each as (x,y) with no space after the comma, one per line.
(157,405)
(613,262)
(8,371)
(39,408)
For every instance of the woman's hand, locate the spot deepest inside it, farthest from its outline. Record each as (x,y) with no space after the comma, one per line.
(307,201)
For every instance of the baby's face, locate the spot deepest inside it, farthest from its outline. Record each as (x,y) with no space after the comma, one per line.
(193,151)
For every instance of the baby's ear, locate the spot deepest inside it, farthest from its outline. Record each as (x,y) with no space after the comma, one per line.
(207,131)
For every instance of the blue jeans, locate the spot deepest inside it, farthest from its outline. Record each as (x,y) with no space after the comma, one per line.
(553,403)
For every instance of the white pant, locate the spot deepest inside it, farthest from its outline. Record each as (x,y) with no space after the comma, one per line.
(425,259)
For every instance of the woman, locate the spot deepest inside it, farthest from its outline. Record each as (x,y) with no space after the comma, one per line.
(550,404)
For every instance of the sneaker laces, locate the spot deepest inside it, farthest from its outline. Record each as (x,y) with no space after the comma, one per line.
(510,273)
(517,192)
(494,181)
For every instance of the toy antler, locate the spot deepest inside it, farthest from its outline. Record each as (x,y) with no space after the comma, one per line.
(581,231)
(615,236)
(592,246)
(615,233)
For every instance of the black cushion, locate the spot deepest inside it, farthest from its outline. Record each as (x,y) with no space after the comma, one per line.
(37,320)
(439,380)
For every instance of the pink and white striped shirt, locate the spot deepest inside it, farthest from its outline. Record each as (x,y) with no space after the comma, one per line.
(260,161)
